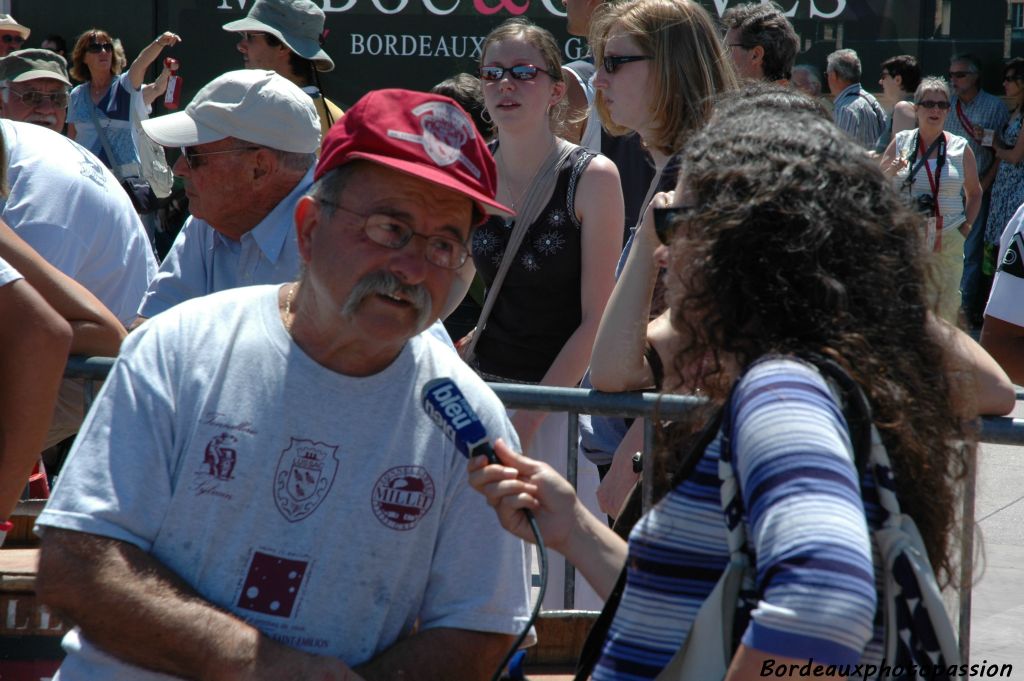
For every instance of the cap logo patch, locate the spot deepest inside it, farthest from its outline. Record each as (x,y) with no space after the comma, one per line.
(445,130)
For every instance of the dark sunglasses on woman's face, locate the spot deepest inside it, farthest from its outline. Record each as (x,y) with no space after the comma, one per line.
(611,64)
(519,72)
(666,220)
(934,104)
(96,48)
(16,39)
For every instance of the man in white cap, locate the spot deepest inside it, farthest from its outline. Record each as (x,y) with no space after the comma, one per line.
(248,142)
(34,88)
(286,36)
(12,34)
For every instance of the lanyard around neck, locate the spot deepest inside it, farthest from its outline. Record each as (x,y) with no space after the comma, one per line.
(966,122)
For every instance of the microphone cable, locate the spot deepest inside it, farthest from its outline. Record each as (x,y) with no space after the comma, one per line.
(542,554)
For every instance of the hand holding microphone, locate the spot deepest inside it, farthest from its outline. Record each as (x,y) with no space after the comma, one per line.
(518,483)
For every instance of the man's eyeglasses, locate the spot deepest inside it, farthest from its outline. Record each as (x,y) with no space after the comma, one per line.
(1011,77)
(389,232)
(519,72)
(96,48)
(934,104)
(249,36)
(611,64)
(960,74)
(8,38)
(34,98)
(190,155)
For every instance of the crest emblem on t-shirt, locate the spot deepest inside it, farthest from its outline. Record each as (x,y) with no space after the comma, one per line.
(305,474)
(402,496)
(1013,262)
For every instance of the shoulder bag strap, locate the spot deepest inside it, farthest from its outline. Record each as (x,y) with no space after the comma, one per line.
(102,134)
(541,189)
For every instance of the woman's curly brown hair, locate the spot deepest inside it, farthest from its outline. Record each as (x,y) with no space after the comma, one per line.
(796,244)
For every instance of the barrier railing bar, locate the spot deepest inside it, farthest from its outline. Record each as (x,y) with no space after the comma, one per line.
(647,470)
(651,406)
(571,471)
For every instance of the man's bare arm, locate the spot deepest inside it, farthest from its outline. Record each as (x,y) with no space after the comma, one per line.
(133,607)
(440,655)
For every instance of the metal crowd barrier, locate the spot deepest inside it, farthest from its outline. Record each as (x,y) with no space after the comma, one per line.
(995,430)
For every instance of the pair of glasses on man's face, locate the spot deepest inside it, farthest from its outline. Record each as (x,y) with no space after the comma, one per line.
(96,48)
(611,64)
(960,74)
(519,72)
(16,39)
(934,104)
(387,231)
(34,98)
(250,36)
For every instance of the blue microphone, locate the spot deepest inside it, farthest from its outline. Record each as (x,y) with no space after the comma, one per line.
(447,407)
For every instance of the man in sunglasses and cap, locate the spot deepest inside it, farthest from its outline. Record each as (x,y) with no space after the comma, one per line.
(34,88)
(286,36)
(248,141)
(257,492)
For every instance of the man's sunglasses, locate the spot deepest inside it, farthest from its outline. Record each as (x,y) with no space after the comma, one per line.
(519,72)
(611,64)
(249,36)
(934,104)
(960,74)
(16,39)
(34,98)
(96,48)
(190,154)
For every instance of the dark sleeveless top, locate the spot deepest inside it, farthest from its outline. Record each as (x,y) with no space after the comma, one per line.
(539,305)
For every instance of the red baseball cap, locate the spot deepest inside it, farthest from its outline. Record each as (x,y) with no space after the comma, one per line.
(424,135)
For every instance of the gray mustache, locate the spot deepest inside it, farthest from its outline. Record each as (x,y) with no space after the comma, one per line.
(385,283)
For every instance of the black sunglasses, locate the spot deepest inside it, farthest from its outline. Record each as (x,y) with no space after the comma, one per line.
(666,220)
(96,48)
(8,38)
(960,74)
(519,72)
(611,64)
(934,104)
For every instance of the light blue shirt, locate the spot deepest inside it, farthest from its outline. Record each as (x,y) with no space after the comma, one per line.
(859,115)
(203,261)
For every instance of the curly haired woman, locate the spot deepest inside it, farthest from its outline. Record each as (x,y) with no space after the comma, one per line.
(789,244)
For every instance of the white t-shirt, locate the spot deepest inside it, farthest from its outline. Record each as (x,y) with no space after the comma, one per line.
(326,510)
(1008,286)
(8,273)
(73,212)
(203,261)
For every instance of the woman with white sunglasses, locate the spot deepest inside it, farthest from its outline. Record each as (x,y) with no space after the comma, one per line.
(546,293)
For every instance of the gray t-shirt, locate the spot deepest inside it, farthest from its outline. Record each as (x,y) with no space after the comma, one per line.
(326,510)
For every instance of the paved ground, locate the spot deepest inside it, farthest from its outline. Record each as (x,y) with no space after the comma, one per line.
(997,621)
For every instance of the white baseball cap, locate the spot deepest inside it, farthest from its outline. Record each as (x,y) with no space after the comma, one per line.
(250,104)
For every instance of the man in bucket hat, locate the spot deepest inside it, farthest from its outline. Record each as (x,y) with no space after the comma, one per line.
(12,34)
(286,36)
(248,142)
(34,88)
(257,492)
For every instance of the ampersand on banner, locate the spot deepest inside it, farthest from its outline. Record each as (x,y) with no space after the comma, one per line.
(512,7)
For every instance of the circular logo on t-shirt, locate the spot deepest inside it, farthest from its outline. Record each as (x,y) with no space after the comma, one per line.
(402,496)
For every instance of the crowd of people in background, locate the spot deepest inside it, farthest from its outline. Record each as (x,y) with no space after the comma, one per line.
(685,210)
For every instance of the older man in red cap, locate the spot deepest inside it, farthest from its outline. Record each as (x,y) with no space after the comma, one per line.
(257,493)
